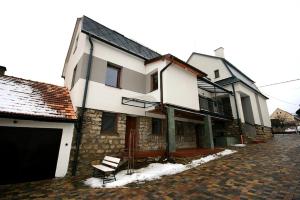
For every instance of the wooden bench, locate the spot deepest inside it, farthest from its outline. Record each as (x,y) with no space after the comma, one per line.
(107,168)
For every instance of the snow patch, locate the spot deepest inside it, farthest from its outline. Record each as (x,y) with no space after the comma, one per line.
(238,145)
(153,171)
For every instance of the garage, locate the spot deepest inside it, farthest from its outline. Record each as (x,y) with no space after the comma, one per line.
(28,154)
(36,130)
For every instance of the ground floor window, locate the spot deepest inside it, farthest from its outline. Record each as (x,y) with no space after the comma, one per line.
(156,126)
(109,123)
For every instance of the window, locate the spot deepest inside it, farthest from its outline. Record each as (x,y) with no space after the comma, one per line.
(113,76)
(179,127)
(154,81)
(76,44)
(74,76)
(156,126)
(109,122)
(217,73)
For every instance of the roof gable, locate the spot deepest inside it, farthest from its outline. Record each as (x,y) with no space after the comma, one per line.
(116,39)
(20,97)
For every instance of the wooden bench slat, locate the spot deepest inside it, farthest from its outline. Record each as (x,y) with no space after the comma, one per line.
(104,168)
(111,164)
(112,159)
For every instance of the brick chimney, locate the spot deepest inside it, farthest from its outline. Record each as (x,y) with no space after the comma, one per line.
(219,52)
(2,70)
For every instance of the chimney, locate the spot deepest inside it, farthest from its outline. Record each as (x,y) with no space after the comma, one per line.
(2,70)
(219,52)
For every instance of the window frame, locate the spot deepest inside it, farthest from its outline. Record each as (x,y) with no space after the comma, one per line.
(217,73)
(73,76)
(115,127)
(161,127)
(152,81)
(119,69)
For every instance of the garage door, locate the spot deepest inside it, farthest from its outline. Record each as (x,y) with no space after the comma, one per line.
(28,154)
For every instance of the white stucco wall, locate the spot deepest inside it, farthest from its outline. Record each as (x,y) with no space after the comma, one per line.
(209,65)
(102,97)
(242,89)
(67,135)
(75,56)
(180,88)
(264,111)
(116,56)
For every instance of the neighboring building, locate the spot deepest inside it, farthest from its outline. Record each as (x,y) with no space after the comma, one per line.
(283,121)
(36,129)
(248,104)
(135,95)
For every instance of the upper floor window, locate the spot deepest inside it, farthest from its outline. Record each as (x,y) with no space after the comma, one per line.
(217,73)
(76,43)
(156,126)
(154,81)
(74,76)
(113,76)
(109,123)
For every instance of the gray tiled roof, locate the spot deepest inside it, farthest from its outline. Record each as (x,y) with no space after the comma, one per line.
(116,39)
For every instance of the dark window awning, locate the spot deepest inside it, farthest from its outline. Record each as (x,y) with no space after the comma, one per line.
(138,102)
(207,85)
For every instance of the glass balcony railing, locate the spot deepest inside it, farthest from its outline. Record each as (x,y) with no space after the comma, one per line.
(212,106)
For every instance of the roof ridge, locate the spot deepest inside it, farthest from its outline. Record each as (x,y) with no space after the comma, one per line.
(35,81)
(122,35)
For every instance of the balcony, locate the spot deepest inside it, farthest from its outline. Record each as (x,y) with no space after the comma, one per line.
(219,107)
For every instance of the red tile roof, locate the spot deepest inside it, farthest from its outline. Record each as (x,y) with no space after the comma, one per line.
(32,99)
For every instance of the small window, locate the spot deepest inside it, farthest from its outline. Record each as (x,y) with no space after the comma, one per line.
(74,76)
(217,73)
(154,81)
(112,76)
(109,122)
(156,126)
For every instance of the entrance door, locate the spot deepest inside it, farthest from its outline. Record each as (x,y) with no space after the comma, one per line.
(28,154)
(131,133)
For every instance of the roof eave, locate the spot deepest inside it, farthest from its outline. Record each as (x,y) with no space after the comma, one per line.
(36,117)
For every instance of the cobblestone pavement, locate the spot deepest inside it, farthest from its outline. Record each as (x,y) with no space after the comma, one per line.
(259,171)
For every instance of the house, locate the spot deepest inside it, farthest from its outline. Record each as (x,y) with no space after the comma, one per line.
(248,104)
(128,96)
(283,121)
(36,129)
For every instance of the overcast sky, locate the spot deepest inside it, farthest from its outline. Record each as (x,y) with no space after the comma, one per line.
(261,38)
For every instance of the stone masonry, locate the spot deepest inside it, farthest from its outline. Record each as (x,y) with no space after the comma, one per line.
(94,145)
(147,141)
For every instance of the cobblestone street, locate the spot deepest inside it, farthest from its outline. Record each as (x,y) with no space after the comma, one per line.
(259,171)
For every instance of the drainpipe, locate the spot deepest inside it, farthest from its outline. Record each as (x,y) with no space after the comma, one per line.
(163,107)
(81,113)
(237,114)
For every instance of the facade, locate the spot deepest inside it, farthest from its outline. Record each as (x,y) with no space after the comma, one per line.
(137,98)
(36,130)
(248,104)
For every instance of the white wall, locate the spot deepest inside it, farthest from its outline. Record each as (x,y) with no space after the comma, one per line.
(102,97)
(67,135)
(242,89)
(264,111)
(209,65)
(116,56)
(75,57)
(180,88)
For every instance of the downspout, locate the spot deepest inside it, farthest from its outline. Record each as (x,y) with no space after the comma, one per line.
(237,114)
(81,113)
(163,107)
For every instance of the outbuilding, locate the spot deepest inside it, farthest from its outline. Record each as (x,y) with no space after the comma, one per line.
(36,130)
